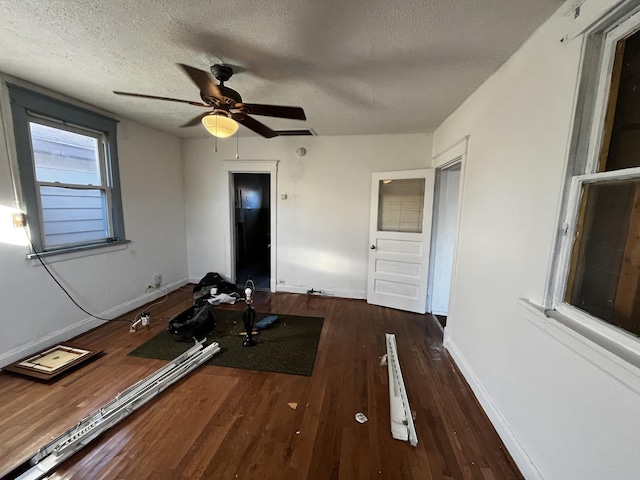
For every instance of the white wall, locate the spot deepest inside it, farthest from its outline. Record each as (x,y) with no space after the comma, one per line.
(35,312)
(565,408)
(323,225)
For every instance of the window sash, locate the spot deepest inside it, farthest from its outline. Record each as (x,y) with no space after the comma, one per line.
(605,330)
(106,217)
(597,130)
(98,136)
(571,223)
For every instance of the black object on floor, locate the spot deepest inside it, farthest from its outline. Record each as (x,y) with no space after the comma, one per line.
(193,322)
(288,346)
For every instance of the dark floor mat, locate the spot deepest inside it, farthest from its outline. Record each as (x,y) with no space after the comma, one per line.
(288,346)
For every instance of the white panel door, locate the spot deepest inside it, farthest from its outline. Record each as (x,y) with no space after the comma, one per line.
(399,239)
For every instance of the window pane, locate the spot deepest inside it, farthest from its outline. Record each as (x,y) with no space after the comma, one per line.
(73,216)
(63,156)
(400,205)
(604,279)
(621,143)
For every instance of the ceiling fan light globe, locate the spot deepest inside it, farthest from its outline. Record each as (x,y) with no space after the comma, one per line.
(219,126)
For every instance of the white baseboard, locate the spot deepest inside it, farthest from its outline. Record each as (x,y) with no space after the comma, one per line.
(51,339)
(85,325)
(355,294)
(142,299)
(515,448)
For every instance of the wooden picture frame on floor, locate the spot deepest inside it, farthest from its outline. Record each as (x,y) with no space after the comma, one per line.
(52,362)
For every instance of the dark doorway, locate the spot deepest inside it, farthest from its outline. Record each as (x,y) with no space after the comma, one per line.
(252,228)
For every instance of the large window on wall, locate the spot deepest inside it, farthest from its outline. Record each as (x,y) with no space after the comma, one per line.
(600,275)
(68,171)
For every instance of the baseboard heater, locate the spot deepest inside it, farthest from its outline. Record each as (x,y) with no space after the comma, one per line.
(88,429)
(402,427)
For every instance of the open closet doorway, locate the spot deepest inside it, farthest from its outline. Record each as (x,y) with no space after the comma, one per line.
(443,239)
(252,228)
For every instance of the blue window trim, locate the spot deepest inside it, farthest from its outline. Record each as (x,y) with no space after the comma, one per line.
(25,101)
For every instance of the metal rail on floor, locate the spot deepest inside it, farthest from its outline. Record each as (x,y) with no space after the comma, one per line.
(74,439)
(402,427)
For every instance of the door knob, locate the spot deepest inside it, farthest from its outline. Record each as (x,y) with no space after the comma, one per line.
(372,247)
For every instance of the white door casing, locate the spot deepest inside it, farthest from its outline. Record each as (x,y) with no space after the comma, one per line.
(248,166)
(443,238)
(399,259)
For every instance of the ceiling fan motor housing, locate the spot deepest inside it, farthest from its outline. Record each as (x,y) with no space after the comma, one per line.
(230,93)
(222,72)
(231,97)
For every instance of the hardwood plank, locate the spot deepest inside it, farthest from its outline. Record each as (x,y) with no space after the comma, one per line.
(229,423)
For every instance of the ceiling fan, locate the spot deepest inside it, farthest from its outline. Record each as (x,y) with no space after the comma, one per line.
(226,104)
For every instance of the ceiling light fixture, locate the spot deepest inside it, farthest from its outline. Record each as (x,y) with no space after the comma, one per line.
(219,125)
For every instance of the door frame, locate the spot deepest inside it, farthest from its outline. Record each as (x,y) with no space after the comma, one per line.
(252,166)
(446,158)
(437,212)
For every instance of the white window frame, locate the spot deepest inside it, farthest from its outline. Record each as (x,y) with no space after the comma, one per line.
(28,106)
(104,186)
(590,112)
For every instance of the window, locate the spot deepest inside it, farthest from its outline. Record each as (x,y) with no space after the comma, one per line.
(68,170)
(599,275)
(400,205)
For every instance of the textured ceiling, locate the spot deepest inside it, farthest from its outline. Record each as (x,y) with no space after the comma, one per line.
(355,66)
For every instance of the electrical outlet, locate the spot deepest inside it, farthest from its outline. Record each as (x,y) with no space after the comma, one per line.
(145,319)
(19,220)
(157,279)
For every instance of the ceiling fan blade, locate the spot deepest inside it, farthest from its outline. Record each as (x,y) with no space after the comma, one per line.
(252,124)
(195,120)
(153,97)
(280,111)
(204,81)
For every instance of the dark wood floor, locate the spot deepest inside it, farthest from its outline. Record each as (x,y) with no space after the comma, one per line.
(224,423)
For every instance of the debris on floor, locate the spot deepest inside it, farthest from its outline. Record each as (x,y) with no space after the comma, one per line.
(266,322)
(361,417)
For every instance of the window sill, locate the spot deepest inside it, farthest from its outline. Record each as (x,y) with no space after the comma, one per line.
(77,252)
(621,361)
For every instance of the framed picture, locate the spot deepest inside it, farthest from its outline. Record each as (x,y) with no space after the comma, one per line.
(53,361)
